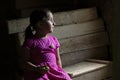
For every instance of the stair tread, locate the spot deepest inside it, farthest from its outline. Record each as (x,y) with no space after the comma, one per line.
(84,67)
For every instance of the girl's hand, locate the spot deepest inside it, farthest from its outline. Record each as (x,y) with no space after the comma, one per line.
(42,70)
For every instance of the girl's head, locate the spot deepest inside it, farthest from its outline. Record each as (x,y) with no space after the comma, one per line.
(41,21)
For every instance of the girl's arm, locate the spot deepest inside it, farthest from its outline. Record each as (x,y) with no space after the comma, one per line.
(24,60)
(58,58)
(27,65)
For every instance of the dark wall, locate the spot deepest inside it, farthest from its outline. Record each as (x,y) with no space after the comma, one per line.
(7,9)
(6,52)
(106,11)
(116,40)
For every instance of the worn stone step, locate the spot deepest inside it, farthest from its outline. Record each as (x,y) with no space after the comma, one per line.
(72,30)
(83,42)
(69,16)
(81,55)
(90,70)
(75,16)
(61,18)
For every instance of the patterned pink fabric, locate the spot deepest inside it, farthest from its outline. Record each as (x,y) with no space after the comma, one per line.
(43,52)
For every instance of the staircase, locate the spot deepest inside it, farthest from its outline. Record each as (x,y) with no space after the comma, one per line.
(84,43)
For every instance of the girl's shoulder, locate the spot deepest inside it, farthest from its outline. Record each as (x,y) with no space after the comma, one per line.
(54,40)
(27,42)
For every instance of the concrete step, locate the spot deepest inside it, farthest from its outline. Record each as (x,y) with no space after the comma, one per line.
(68,16)
(61,18)
(71,30)
(81,55)
(90,70)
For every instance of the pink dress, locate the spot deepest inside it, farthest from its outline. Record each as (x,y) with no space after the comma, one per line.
(42,53)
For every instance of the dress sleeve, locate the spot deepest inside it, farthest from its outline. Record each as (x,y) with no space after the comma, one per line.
(27,44)
(57,42)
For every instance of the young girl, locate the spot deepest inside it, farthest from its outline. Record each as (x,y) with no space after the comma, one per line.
(40,56)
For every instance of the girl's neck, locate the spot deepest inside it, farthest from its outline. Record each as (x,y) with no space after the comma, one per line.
(38,35)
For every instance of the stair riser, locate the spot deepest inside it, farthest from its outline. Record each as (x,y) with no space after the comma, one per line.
(78,56)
